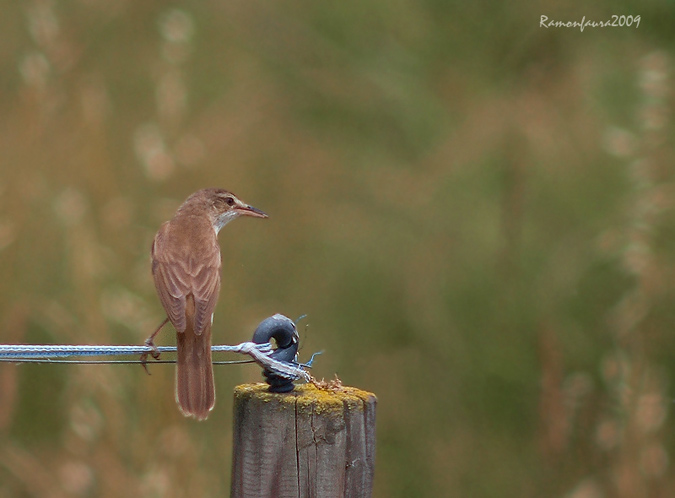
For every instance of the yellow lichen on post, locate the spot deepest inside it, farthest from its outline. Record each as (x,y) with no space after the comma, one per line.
(309,442)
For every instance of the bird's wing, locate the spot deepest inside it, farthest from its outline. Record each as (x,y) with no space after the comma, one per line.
(178,274)
(205,276)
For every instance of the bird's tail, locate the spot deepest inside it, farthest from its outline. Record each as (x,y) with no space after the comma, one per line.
(195,391)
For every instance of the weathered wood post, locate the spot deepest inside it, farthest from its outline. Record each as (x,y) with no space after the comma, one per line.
(307,443)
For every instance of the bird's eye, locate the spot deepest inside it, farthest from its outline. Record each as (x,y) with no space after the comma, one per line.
(229,201)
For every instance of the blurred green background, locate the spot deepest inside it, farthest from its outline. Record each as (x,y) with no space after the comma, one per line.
(476,213)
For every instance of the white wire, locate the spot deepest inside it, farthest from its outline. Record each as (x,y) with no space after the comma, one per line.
(259,352)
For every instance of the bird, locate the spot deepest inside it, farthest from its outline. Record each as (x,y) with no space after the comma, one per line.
(186,268)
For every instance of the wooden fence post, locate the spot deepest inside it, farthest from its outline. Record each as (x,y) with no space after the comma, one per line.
(306,443)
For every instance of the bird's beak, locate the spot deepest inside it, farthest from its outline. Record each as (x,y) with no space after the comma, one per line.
(251,211)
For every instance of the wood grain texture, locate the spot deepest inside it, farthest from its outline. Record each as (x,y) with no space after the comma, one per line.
(307,443)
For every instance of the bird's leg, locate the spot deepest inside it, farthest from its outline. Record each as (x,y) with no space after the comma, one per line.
(150,341)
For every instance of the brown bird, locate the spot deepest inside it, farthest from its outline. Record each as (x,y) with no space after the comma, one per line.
(186,267)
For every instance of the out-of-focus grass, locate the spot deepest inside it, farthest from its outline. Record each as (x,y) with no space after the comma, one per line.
(475,212)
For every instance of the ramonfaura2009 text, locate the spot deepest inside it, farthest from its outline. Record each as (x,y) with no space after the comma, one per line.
(616,21)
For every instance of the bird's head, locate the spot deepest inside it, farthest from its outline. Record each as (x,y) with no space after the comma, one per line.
(222,206)
(225,207)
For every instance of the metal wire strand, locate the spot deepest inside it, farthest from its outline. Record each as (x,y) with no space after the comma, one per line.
(23,351)
(29,353)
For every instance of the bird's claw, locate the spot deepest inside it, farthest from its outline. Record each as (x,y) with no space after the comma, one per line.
(155,350)
(154,353)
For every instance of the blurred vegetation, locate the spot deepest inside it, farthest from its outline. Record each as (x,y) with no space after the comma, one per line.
(476,213)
